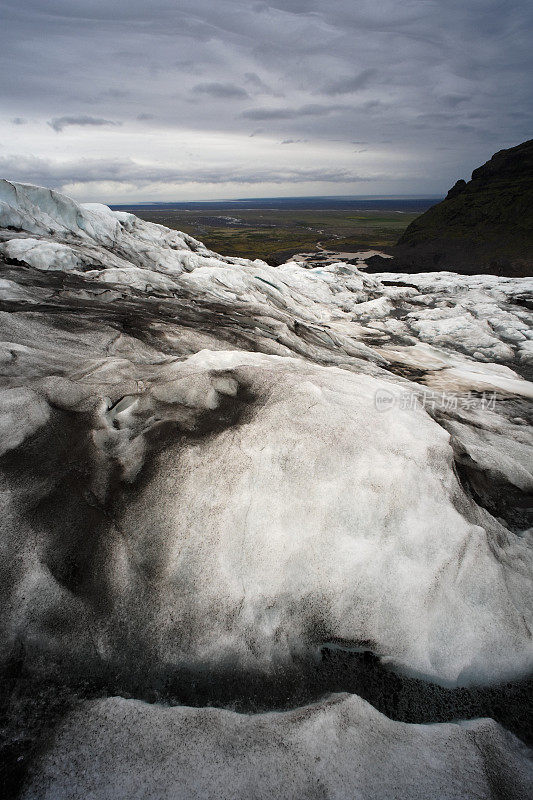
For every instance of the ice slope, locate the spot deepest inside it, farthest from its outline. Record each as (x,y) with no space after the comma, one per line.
(215,466)
(341,748)
(250,506)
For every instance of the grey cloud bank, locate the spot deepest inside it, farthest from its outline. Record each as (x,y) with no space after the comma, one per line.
(222,90)
(55,175)
(350,84)
(435,88)
(60,123)
(311,110)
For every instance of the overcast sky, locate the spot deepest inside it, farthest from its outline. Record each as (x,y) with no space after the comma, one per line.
(125,100)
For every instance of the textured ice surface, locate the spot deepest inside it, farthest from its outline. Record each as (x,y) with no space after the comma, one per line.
(249,507)
(341,748)
(211,464)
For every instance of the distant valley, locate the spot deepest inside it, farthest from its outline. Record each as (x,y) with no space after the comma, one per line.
(274,229)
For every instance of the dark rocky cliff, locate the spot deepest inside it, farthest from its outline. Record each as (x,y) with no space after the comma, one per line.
(483,226)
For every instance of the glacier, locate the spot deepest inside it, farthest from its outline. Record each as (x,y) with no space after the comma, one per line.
(216,467)
(340,748)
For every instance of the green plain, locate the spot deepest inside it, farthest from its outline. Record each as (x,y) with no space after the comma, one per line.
(272,233)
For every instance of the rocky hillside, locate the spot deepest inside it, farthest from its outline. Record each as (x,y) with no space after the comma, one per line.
(483,226)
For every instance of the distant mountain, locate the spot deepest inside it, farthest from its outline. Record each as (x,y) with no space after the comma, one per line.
(483,226)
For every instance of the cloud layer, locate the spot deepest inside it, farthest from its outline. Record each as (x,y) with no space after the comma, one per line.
(60,123)
(197,89)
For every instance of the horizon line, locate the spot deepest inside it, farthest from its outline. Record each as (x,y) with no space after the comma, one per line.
(286,197)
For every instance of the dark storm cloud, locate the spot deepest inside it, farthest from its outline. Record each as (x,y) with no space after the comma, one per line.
(353,83)
(60,123)
(310,110)
(257,84)
(225,91)
(453,100)
(412,76)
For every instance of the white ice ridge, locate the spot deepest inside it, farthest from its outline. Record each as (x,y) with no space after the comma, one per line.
(477,320)
(341,748)
(211,478)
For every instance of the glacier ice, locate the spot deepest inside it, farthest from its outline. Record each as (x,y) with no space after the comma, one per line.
(212,464)
(118,749)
